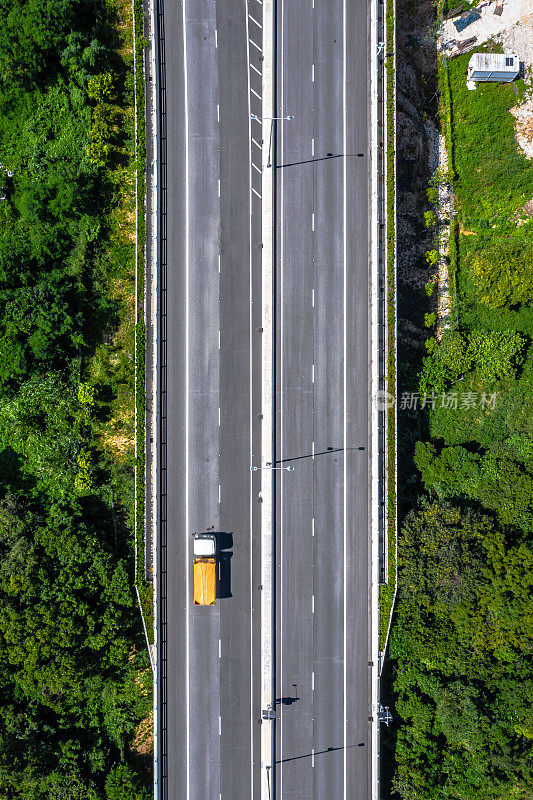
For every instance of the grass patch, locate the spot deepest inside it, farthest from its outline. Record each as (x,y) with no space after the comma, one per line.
(493,178)
(387,590)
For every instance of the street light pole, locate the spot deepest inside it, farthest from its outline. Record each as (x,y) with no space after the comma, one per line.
(272,119)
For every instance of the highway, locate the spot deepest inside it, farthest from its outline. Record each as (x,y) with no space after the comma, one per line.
(210,265)
(210,367)
(323,401)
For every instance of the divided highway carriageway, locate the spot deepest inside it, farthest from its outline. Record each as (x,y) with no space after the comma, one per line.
(270,219)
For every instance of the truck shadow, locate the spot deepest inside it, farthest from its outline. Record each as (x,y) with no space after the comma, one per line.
(224,575)
(224,545)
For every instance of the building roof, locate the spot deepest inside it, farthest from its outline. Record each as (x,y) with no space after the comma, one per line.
(494,62)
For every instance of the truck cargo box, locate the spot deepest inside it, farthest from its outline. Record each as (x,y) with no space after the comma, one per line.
(205,581)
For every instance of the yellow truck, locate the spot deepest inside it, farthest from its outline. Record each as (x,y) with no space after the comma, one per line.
(205,569)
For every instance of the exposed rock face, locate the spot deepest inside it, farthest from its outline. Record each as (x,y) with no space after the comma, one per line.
(415,146)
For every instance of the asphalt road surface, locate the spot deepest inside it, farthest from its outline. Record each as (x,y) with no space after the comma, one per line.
(210,363)
(323,407)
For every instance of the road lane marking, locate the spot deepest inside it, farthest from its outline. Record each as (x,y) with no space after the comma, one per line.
(219,416)
(313,527)
(312,147)
(219,492)
(218,113)
(257,168)
(312,371)
(313,757)
(312,681)
(250,428)
(256,192)
(345,350)
(281,12)
(257,95)
(219,187)
(255,45)
(219,340)
(313,221)
(256,143)
(313,603)
(219,263)
(216,38)
(255,69)
(313,450)
(313,72)
(220,648)
(220,725)
(313,298)
(256,22)
(187,387)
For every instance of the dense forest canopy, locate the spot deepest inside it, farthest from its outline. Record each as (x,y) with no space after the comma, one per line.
(74,672)
(462,636)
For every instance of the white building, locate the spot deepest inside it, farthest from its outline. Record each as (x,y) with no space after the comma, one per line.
(493,67)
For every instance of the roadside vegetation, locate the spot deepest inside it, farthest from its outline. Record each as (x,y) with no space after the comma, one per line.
(387,590)
(461,640)
(76,682)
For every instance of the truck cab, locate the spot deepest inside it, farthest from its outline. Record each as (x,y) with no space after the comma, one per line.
(204,565)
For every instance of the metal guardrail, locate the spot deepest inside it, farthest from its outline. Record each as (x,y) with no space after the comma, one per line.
(161,761)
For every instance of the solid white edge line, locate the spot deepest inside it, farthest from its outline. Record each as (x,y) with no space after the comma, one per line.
(375,655)
(250,483)
(345,464)
(267,395)
(281,50)
(187,386)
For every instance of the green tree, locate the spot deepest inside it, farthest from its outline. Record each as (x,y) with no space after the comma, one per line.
(123,784)
(503,272)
